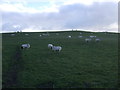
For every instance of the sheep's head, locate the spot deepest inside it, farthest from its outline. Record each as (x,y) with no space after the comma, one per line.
(21,47)
(51,47)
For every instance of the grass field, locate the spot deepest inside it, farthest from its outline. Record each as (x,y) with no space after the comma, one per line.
(78,65)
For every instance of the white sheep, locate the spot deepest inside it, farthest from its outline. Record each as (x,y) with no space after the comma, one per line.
(88,39)
(57,48)
(69,36)
(92,36)
(57,33)
(40,35)
(26,34)
(80,36)
(45,34)
(97,40)
(12,34)
(50,46)
(25,46)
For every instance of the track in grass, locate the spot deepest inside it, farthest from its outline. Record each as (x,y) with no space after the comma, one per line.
(12,74)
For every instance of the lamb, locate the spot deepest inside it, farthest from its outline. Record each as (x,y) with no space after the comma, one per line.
(57,48)
(25,46)
(87,39)
(50,46)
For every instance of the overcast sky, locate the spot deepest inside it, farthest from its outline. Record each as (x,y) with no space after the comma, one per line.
(35,15)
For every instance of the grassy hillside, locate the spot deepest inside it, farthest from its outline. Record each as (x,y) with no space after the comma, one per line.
(79,64)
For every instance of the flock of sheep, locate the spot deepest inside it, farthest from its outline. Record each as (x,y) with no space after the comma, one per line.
(54,48)
(59,48)
(91,38)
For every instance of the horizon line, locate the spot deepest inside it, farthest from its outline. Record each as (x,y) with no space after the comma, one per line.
(57,31)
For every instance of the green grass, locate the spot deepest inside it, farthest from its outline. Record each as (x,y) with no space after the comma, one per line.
(79,64)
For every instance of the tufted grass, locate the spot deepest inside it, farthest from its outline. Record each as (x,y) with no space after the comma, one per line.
(78,65)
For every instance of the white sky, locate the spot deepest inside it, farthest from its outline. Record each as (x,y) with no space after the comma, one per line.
(58,12)
(45,5)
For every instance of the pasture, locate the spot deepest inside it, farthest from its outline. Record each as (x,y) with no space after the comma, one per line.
(78,65)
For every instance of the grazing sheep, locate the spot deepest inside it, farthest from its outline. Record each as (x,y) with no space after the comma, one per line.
(57,48)
(88,39)
(80,36)
(26,34)
(25,46)
(97,40)
(91,36)
(57,33)
(47,34)
(12,34)
(40,35)
(50,46)
(69,36)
